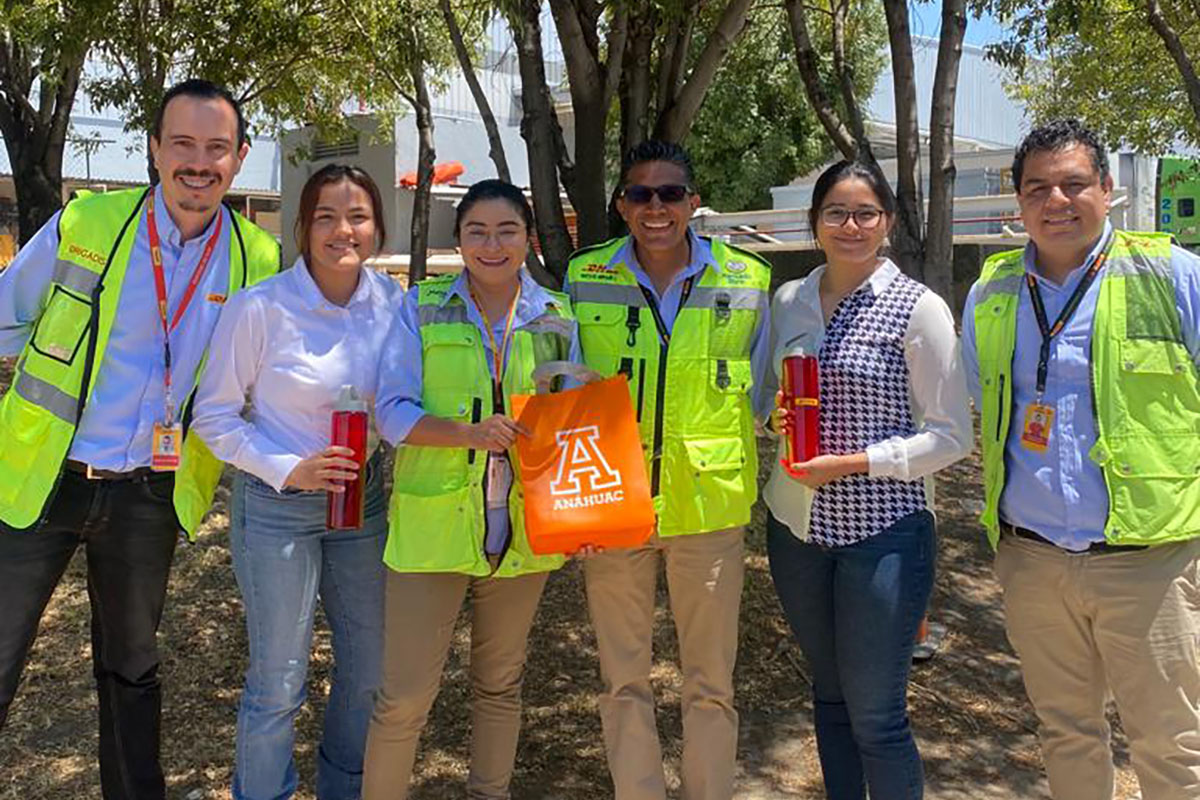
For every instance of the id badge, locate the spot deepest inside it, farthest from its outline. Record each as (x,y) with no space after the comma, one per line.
(499,480)
(1035,433)
(165,447)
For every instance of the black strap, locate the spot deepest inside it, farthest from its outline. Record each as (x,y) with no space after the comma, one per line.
(1039,311)
(664,335)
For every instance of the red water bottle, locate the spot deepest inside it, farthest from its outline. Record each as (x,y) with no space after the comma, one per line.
(802,399)
(344,510)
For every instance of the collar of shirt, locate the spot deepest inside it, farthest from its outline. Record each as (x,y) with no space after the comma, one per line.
(701,257)
(168,231)
(1076,274)
(531,305)
(877,281)
(306,287)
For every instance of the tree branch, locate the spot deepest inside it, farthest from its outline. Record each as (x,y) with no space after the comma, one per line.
(810,74)
(674,124)
(1174,45)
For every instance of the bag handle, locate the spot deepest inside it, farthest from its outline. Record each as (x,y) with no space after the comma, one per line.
(547,371)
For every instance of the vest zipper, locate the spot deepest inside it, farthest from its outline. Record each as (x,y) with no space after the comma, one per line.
(641,387)
(476,418)
(1000,408)
(664,339)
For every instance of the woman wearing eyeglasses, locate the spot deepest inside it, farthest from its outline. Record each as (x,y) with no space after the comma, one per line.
(456,513)
(850,535)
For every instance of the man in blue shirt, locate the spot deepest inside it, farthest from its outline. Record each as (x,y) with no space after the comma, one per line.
(113,494)
(1081,356)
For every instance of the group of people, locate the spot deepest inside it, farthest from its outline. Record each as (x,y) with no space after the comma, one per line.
(129,395)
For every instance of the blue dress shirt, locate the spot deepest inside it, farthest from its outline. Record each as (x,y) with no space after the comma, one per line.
(117,425)
(1061,493)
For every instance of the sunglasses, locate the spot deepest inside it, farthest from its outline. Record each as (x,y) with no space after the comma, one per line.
(668,193)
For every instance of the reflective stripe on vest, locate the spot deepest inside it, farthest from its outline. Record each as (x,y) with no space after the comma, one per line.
(693,408)
(437,519)
(1146,391)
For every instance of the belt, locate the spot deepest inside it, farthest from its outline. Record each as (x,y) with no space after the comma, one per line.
(92,474)
(1094,547)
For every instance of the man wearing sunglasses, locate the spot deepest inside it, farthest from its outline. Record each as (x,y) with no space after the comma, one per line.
(685,320)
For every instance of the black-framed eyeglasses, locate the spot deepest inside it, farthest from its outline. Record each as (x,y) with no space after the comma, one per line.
(865,218)
(668,193)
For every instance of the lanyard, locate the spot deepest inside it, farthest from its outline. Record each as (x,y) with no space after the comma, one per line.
(664,336)
(498,353)
(1039,311)
(160,290)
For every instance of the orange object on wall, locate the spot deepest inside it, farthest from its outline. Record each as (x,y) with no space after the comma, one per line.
(445,172)
(582,470)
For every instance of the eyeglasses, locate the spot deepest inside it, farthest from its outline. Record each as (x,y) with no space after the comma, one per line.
(865,218)
(668,193)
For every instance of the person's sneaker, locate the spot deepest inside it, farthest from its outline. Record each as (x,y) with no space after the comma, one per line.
(927,648)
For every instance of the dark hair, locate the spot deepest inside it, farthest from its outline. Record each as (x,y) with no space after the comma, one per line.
(493,189)
(845,170)
(311,194)
(203,90)
(1059,135)
(658,150)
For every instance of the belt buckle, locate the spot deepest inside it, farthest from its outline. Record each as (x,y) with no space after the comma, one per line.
(90,473)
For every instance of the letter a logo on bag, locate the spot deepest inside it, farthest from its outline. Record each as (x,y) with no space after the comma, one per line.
(579,455)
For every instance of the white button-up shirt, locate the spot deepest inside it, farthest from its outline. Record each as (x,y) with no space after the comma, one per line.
(937,390)
(279,357)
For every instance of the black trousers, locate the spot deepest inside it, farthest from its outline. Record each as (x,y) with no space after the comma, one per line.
(129,531)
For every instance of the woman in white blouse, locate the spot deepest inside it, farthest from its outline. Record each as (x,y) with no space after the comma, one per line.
(850,535)
(281,353)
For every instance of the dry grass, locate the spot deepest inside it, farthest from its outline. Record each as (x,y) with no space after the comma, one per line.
(968,706)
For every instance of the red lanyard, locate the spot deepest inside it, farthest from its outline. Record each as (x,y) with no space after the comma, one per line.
(160,290)
(498,353)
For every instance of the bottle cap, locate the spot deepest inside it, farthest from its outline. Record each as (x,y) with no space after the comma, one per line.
(349,400)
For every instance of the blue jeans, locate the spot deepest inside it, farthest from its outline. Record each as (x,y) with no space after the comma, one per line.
(855,611)
(284,557)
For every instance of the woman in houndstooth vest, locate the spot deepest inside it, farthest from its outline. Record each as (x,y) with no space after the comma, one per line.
(851,535)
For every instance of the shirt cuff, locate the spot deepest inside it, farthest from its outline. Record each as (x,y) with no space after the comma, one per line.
(275,470)
(886,459)
(399,422)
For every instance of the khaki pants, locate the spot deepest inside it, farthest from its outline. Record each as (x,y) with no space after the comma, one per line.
(704,578)
(419,623)
(1127,622)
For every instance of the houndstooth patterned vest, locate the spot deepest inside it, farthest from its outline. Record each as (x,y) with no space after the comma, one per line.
(864,400)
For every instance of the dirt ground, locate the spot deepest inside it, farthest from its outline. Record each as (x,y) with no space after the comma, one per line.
(975,727)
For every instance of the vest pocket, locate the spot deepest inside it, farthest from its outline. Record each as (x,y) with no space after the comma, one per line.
(24,429)
(717,496)
(730,376)
(62,326)
(729,333)
(435,533)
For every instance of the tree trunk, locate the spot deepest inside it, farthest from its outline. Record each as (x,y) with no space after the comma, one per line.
(908,246)
(808,61)
(939,241)
(36,137)
(495,143)
(426,155)
(543,139)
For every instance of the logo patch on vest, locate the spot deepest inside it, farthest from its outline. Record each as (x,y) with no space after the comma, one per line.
(735,266)
(580,463)
(86,255)
(601,272)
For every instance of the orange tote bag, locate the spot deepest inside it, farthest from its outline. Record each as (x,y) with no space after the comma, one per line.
(582,469)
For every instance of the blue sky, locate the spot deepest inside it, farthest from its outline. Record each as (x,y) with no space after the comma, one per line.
(927,21)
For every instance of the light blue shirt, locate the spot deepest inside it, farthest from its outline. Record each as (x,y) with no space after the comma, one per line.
(669,302)
(117,425)
(1060,493)
(398,404)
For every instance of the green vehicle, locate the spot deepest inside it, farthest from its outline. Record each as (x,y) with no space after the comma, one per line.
(1178,194)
